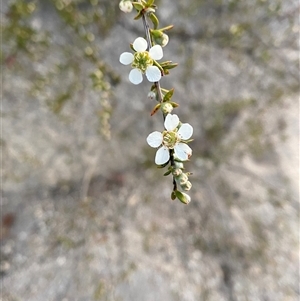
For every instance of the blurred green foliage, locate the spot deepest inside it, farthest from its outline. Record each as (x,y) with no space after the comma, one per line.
(261,31)
(31,50)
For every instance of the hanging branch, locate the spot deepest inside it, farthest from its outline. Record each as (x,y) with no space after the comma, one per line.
(172,142)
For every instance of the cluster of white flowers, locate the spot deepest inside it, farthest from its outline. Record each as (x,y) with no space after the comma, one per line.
(171,143)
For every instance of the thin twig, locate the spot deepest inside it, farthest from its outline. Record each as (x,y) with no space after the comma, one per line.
(148,37)
(159,92)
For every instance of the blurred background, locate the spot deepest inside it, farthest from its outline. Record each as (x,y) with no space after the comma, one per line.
(86,214)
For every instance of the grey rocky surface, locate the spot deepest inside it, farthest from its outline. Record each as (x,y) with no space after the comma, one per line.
(87,219)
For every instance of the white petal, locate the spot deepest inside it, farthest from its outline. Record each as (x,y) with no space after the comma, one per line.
(162,156)
(155,139)
(182,151)
(153,74)
(156,52)
(136,76)
(126,58)
(140,44)
(171,122)
(185,131)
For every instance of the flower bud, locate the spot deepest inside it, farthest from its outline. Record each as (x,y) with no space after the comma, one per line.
(152,95)
(187,186)
(179,165)
(183,178)
(177,172)
(160,38)
(164,40)
(166,107)
(182,197)
(125,6)
(187,198)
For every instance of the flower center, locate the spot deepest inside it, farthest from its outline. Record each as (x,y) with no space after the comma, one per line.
(170,139)
(142,61)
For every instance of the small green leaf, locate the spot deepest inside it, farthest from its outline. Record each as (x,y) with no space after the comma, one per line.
(150,2)
(173,195)
(153,87)
(168,95)
(167,27)
(138,16)
(163,64)
(138,6)
(174,104)
(168,172)
(164,90)
(154,20)
(187,141)
(155,109)
(171,66)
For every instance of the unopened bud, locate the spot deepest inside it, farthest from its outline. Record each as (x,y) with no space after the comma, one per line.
(186,197)
(179,164)
(166,107)
(183,178)
(187,186)
(152,95)
(164,40)
(177,172)
(160,38)
(126,6)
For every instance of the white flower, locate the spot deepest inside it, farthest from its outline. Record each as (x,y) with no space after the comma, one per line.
(125,6)
(171,139)
(142,61)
